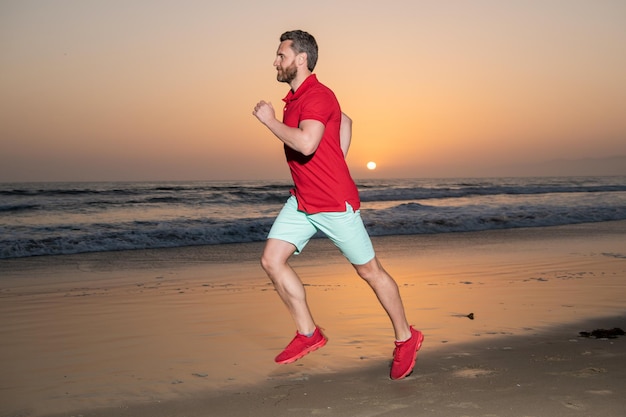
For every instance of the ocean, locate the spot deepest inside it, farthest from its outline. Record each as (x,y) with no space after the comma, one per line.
(73,217)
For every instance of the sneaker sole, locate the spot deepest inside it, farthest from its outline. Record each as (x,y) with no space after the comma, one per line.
(305,352)
(420,339)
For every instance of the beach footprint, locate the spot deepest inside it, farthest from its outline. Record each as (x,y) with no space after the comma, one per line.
(571,403)
(472,372)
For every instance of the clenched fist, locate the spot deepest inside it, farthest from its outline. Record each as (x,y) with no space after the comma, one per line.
(264,111)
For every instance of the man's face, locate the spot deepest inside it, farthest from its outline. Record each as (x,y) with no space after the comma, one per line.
(285,63)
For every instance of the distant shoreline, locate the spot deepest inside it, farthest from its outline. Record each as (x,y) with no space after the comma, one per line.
(617,168)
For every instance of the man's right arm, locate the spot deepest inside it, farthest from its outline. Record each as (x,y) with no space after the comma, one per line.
(305,138)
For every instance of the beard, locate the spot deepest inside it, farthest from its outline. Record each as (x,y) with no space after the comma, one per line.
(288,74)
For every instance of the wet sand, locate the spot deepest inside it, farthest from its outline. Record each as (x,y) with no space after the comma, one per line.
(194,331)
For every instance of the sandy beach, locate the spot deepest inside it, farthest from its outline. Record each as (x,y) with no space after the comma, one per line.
(193,331)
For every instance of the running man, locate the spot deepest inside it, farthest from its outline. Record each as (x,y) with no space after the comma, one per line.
(316,136)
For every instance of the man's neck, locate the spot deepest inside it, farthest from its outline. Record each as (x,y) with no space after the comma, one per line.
(300,78)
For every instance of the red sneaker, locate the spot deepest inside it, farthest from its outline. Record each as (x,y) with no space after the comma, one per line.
(405,355)
(301,345)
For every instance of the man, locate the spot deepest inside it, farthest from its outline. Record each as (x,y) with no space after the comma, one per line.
(316,136)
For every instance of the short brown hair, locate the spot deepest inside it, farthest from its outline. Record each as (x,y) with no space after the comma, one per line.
(302,42)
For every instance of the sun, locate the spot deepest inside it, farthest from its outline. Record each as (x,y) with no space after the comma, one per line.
(371,165)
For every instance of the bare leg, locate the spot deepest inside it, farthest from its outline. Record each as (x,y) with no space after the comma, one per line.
(388,294)
(287,283)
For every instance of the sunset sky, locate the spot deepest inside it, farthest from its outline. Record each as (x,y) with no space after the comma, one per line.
(164,90)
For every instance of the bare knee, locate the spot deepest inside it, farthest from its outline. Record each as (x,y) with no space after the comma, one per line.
(371,271)
(275,257)
(270,263)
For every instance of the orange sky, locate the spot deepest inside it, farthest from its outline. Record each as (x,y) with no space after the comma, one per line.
(163,90)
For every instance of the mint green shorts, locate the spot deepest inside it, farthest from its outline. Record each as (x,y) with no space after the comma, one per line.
(345,229)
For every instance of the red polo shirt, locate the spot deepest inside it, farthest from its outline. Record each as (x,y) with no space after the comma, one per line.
(322,180)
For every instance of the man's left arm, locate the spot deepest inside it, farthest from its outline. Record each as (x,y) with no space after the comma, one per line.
(345,133)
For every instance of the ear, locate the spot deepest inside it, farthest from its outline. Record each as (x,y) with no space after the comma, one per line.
(302,58)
